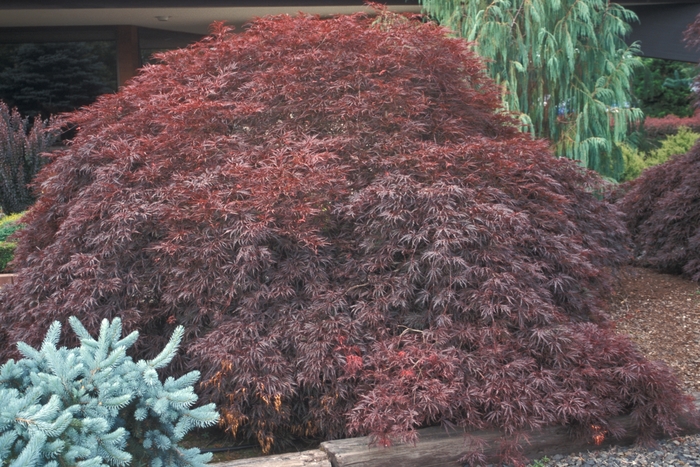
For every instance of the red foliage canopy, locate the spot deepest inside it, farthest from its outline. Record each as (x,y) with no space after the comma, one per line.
(355,238)
(669,125)
(662,210)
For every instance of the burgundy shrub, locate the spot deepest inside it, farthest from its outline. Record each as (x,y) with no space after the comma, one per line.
(691,35)
(662,211)
(656,127)
(355,237)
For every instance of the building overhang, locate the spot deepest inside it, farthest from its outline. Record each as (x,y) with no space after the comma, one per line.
(161,24)
(175,15)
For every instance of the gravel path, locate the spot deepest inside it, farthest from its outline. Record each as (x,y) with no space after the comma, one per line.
(681,451)
(662,315)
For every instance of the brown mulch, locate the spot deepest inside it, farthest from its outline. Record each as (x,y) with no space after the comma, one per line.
(661,313)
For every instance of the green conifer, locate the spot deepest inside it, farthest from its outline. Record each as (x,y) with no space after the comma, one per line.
(48,78)
(76,406)
(563,66)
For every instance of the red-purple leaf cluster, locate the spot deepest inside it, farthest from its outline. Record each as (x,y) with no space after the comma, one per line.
(691,35)
(669,125)
(355,237)
(662,211)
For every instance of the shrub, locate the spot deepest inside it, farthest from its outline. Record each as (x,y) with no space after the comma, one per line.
(94,406)
(665,87)
(21,145)
(636,161)
(662,211)
(45,78)
(7,253)
(9,225)
(673,145)
(357,238)
(669,125)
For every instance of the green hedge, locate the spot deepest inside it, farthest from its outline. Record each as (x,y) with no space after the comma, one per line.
(636,161)
(7,252)
(9,225)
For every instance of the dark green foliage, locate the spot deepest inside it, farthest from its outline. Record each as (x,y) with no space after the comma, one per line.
(8,229)
(10,224)
(356,238)
(662,210)
(21,148)
(664,88)
(93,406)
(47,78)
(7,253)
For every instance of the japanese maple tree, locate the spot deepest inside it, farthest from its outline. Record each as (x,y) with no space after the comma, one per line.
(662,206)
(662,210)
(355,237)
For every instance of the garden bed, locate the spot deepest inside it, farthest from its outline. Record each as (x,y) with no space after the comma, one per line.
(438,447)
(660,312)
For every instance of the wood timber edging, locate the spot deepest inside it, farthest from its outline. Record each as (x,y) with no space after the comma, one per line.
(312,458)
(7,279)
(436,448)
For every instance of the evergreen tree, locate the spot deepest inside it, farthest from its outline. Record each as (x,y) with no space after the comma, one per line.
(48,78)
(665,87)
(64,407)
(563,65)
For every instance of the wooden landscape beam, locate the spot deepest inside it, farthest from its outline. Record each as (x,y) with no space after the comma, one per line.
(7,279)
(312,458)
(437,447)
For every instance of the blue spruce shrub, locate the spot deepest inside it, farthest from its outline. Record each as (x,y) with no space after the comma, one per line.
(94,406)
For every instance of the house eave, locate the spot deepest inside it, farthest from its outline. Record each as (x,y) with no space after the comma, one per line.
(193,20)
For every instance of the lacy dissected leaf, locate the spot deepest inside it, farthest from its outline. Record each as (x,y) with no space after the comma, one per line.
(355,237)
(662,210)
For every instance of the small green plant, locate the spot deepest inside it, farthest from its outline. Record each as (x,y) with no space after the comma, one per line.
(10,224)
(636,161)
(7,254)
(94,406)
(540,462)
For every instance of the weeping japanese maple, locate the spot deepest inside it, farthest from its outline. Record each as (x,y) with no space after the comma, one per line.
(662,210)
(354,236)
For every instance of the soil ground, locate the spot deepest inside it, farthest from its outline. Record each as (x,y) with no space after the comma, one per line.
(661,313)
